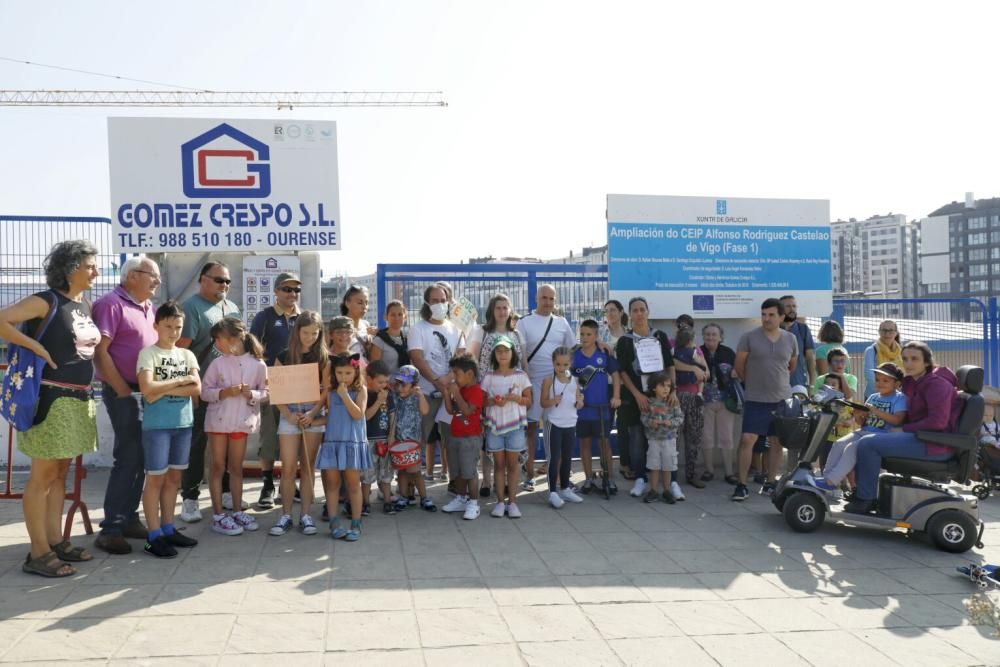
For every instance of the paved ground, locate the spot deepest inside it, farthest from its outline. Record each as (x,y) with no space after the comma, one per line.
(703,582)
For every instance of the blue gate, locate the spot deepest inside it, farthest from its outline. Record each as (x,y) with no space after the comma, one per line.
(582,288)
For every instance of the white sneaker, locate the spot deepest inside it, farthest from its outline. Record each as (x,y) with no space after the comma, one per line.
(471,510)
(512,511)
(457,504)
(189,511)
(675,491)
(555,500)
(498,510)
(224,524)
(227,502)
(569,496)
(638,488)
(246,521)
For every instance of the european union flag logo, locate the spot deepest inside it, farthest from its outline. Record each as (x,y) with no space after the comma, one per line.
(703,301)
(720,207)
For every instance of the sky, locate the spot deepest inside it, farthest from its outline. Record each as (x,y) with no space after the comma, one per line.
(878,107)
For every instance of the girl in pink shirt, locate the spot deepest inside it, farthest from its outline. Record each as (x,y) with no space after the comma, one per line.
(234,386)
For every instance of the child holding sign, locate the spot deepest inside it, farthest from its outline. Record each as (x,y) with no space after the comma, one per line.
(301,427)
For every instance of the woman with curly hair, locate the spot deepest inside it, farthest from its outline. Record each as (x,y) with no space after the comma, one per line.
(65,423)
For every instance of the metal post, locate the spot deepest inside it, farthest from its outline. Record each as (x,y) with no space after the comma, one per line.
(994,342)
(381,299)
(532,291)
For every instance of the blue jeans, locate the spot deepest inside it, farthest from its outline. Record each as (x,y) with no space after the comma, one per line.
(124,492)
(637,450)
(871,451)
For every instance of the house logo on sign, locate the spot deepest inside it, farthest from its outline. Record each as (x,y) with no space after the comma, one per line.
(225,163)
(270,263)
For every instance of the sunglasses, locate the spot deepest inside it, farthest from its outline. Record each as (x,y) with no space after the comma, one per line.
(290,290)
(220,281)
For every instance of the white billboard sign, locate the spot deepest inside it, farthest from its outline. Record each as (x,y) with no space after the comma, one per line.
(196,184)
(719,257)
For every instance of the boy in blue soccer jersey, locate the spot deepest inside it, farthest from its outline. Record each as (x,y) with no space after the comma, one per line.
(597,371)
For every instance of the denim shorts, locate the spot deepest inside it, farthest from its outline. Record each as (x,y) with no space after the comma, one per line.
(286,427)
(166,448)
(512,441)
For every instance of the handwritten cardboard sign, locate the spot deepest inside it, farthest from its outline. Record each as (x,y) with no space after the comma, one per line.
(293,384)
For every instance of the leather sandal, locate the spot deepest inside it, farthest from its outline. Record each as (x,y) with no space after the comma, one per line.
(67,552)
(48,565)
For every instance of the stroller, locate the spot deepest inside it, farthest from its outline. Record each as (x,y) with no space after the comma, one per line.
(988,461)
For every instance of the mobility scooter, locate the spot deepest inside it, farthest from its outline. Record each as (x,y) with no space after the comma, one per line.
(912,494)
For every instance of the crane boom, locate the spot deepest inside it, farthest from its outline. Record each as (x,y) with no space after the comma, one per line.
(221,98)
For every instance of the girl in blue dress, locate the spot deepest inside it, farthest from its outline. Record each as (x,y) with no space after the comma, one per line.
(345,442)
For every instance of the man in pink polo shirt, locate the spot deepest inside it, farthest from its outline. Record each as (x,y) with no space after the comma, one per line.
(125,320)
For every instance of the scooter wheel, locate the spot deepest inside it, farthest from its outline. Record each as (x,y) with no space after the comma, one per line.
(804,512)
(953,531)
(981,491)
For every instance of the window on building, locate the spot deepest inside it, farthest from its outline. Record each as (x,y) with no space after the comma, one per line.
(995,253)
(979,285)
(979,254)
(994,236)
(981,238)
(979,270)
(978,222)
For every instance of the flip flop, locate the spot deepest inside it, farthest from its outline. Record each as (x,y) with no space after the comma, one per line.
(67,552)
(47,565)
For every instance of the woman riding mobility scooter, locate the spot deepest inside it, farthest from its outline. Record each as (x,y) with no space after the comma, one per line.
(912,493)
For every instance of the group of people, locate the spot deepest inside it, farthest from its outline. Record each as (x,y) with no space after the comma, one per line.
(184,381)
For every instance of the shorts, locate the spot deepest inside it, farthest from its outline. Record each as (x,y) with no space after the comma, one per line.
(535,410)
(286,427)
(427,421)
(661,455)
(463,456)
(381,471)
(594,428)
(759,417)
(235,435)
(166,448)
(511,441)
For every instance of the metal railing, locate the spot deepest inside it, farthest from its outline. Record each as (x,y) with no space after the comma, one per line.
(582,288)
(25,241)
(959,331)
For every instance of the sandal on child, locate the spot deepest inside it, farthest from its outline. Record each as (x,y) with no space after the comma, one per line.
(47,565)
(67,552)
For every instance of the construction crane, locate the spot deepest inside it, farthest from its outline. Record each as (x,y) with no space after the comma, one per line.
(209,98)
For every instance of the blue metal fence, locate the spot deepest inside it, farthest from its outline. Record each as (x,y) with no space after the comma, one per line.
(25,241)
(582,288)
(960,331)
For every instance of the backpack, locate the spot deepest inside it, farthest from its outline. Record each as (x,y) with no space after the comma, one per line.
(400,348)
(22,381)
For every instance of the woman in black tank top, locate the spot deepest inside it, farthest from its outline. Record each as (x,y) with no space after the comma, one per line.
(65,419)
